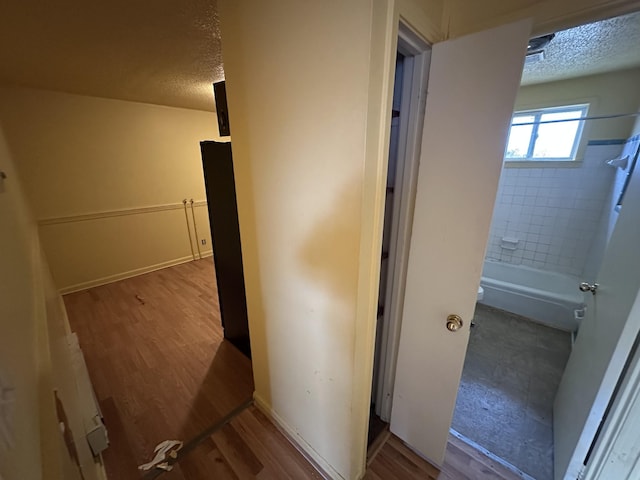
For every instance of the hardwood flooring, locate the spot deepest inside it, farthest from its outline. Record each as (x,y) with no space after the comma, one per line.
(250,446)
(157,360)
(395,461)
(161,370)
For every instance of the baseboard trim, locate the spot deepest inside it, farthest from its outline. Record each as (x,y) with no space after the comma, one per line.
(128,274)
(314,458)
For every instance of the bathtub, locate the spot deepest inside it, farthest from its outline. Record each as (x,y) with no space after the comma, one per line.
(549,298)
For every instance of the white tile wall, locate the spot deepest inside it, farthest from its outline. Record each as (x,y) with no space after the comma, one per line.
(553,212)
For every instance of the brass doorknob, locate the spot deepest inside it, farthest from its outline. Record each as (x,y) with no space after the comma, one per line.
(586,287)
(454,323)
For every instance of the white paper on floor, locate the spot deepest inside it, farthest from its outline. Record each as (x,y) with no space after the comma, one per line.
(164,452)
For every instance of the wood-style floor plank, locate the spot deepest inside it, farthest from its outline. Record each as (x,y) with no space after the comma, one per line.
(396,461)
(156,356)
(161,370)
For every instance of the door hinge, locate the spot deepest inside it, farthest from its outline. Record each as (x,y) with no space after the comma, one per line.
(586,287)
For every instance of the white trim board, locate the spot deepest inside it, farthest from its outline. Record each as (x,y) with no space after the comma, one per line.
(118,213)
(416,75)
(130,273)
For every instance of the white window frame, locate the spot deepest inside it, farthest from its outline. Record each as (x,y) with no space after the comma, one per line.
(537,114)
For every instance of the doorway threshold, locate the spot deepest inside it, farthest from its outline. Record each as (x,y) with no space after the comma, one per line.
(491,456)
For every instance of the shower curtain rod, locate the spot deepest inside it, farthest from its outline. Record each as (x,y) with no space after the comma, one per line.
(595,117)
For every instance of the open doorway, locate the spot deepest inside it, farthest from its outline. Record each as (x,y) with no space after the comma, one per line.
(160,367)
(555,211)
(407,120)
(168,351)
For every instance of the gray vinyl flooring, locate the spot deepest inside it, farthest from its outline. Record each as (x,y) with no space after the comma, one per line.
(505,401)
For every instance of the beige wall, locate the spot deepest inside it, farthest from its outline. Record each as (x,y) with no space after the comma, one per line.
(309,86)
(18,342)
(608,94)
(299,184)
(93,166)
(34,359)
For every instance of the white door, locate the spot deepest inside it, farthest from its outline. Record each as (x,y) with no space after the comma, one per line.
(604,342)
(473,84)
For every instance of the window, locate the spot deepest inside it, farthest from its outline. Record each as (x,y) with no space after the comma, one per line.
(546,134)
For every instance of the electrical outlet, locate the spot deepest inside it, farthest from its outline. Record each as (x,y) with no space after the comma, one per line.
(203,241)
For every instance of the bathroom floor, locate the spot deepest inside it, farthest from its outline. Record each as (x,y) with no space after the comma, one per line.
(505,401)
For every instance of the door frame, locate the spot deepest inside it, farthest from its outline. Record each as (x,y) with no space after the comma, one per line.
(615,449)
(417,53)
(385,16)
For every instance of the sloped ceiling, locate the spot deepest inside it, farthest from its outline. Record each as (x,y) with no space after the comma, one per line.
(609,45)
(164,52)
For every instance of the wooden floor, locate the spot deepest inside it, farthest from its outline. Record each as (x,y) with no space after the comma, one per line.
(157,360)
(395,461)
(250,446)
(161,370)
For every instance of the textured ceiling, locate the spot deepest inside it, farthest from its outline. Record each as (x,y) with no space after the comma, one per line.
(168,52)
(165,52)
(599,47)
